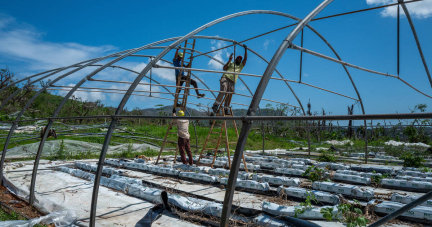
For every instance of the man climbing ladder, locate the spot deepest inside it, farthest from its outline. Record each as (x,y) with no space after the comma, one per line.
(177,62)
(228,81)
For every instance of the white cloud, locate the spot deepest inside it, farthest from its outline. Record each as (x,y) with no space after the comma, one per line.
(305,74)
(216,44)
(267,42)
(24,43)
(419,10)
(123,87)
(85,96)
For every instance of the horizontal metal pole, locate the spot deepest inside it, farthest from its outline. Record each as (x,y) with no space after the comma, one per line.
(256,118)
(125,82)
(295,47)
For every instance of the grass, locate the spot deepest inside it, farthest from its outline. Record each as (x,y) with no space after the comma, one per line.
(4,216)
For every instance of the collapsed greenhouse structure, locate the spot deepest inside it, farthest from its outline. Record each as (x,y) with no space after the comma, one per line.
(246,188)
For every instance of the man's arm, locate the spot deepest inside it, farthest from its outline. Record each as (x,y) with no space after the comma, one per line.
(176,53)
(226,65)
(245,55)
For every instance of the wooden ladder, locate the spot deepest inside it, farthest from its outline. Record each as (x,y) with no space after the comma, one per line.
(224,129)
(183,97)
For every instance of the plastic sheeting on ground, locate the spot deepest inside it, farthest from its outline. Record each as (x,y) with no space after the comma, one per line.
(268,221)
(395,143)
(414,173)
(302,193)
(250,184)
(189,168)
(59,219)
(310,213)
(199,176)
(277,180)
(406,184)
(352,178)
(331,165)
(344,189)
(289,171)
(408,178)
(196,205)
(364,168)
(408,199)
(420,212)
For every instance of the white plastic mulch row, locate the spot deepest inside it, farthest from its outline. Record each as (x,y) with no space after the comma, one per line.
(199,176)
(289,171)
(277,180)
(414,173)
(332,166)
(344,189)
(249,184)
(310,213)
(408,178)
(225,173)
(362,168)
(406,184)
(352,178)
(133,187)
(420,212)
(405,199)
(302,193)
(90,167)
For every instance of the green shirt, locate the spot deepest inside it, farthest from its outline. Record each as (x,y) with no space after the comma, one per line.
(233,77)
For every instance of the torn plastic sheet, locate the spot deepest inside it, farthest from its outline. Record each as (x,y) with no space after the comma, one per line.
(199,176)
(352,178)
(289,171)
(59,219)
(250,184)
(310,213)
(419,212)
(405,199)
(406,184)
(196,205)
(344,189)
(277,180)
(301,193)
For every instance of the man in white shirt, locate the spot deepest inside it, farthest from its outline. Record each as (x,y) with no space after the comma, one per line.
(183,138)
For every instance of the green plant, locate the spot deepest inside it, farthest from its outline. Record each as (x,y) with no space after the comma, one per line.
(411,160)
(377,178)
(324,157)
(352,215)
(307,204)
(425,169)
(327,213)
(314,173)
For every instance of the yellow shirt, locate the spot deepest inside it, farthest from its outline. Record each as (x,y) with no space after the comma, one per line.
(233,77)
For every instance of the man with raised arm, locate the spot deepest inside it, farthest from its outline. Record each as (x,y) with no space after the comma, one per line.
(228,81)
(177,63)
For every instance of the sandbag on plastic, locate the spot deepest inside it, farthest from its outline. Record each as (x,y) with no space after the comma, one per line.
(268,221)
(420,212)
(196,205)
(250,184)
(352,178)
(190,168)
(62,218)
(405,199)
(271,165)
(281,180)
(344,189)
(310,213)
(302,193)
(199,176)
(289,171)
(349,172)
(406,184)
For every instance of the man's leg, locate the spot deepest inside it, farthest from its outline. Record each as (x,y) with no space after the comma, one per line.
(188,151)
(195,85)
(219,98)
(181,146)
(230,88)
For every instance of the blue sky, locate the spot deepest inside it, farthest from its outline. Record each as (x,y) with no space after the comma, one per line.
(38,36)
